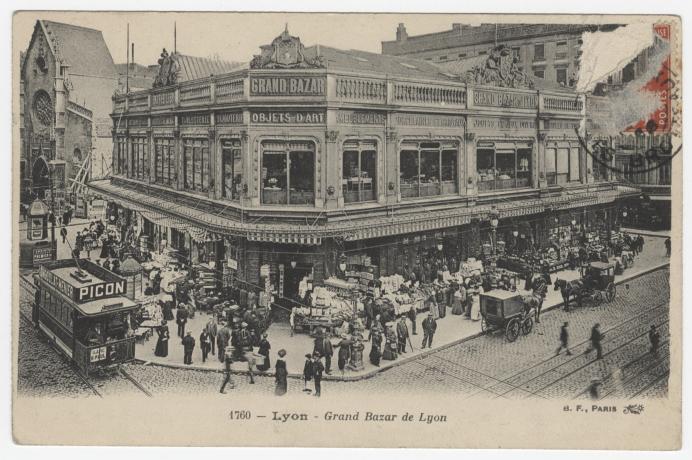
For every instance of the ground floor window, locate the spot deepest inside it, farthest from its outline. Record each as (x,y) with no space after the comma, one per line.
(231,168)
(164,161)
(196,164)
(359,172)
(288,172)
(503,165)
(428,168)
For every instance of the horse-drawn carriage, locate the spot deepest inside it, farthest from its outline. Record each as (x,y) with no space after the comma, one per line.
(506,310)
(597,284)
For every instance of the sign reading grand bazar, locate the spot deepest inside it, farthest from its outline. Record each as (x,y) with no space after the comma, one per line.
(278,152)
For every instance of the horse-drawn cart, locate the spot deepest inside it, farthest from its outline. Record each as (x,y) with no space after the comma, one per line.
(506,310)
(597,284)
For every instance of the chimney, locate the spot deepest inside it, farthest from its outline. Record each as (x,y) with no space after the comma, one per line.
(401,34)
(132,63)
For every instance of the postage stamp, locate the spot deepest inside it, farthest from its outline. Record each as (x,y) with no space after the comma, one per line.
(354,230)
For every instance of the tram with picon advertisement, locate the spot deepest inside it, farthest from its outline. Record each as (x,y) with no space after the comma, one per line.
(84,310)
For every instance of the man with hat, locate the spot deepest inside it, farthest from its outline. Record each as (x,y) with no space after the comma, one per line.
(412,317)
(402,334)
(429,328)
(324,348)
(222,338)
(344,352)
(228,359)
(188,347)
(317,369)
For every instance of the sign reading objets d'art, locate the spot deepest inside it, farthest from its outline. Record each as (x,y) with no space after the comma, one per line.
(281,117)
(425,120)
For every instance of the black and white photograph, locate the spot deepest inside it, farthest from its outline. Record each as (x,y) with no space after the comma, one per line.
(384,225)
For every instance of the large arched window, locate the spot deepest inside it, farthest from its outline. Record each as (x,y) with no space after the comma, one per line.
(288,172)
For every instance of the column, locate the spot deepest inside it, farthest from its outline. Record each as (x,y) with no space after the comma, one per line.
(332,161)
(392,168)
(470,178)
(211,193)
(539,160)
(178,148)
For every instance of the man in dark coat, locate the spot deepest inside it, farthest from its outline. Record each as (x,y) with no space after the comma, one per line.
(228,359)
(412,316)
(667,244)
(324,348)
(222,340)
(369,312)
(181,320)
(205,344)
(63,233)
(596,337)
(540,290)
(317,369)
(564,340)
(429,328)
(401,334)
(188,348)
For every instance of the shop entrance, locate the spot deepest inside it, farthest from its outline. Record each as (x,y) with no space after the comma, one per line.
(292,279)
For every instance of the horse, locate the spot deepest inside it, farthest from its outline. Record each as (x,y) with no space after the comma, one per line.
(568,289)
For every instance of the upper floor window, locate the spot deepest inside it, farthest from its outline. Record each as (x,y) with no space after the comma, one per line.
(231,168)
(561,76)
(428,168)
(516,52)
(196,160)
(562,164)
(164,161)
(539,52)
(288,172)
(539,73)
(359,172)
(121,156)
(139,158)
(561,50)
(503,165)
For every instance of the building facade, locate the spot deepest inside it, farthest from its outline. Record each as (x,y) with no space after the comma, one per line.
(292,166)
(67,80)
(547,51)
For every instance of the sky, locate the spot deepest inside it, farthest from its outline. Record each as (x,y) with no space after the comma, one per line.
(235,36)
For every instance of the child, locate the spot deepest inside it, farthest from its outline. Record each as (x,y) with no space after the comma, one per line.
(307,373)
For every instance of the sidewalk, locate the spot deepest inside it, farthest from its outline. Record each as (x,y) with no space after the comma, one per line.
(451,330)
(652,233)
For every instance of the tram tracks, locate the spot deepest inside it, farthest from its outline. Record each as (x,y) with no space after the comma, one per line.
(520,382)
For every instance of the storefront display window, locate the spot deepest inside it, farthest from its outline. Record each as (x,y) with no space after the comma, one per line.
(428,169)
(503,165)
(359,171)
(561,164)
(196,164)
(288,172)
(165,168)
(231,159)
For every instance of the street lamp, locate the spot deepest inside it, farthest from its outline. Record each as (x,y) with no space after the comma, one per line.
(494,221)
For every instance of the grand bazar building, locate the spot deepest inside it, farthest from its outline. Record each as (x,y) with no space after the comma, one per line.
(315,158)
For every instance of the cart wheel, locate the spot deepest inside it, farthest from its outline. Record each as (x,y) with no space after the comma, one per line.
(484,325)
(512,330)
(610,292)
(527,325)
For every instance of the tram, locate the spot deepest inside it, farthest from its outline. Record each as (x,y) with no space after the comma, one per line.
(83,309)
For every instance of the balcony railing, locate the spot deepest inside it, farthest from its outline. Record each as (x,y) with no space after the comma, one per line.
(563,104)
(362,90)
(229,90)
(416,93)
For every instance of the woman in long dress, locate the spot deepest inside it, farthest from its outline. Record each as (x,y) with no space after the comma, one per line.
(390,352)
(476,305)
(376,337)
(264,348)
(281,375)
(459,300)
(162,343)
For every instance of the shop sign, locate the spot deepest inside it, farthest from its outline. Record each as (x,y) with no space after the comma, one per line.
(229,118)
(194,119)
(100,290)
(503,124)
(434,121)
(287,86)
(287,117)
(264,270)
(166,120)
(42,255)
(138,122)
(233,264)
(350,117)
(567,125)
(488,98)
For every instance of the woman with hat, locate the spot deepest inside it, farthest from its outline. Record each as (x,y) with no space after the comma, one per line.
(281,374)
(162,343)
(376,337)
(390,344)
(264,348)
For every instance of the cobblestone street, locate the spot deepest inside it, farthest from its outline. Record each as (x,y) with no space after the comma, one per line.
(489,366)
